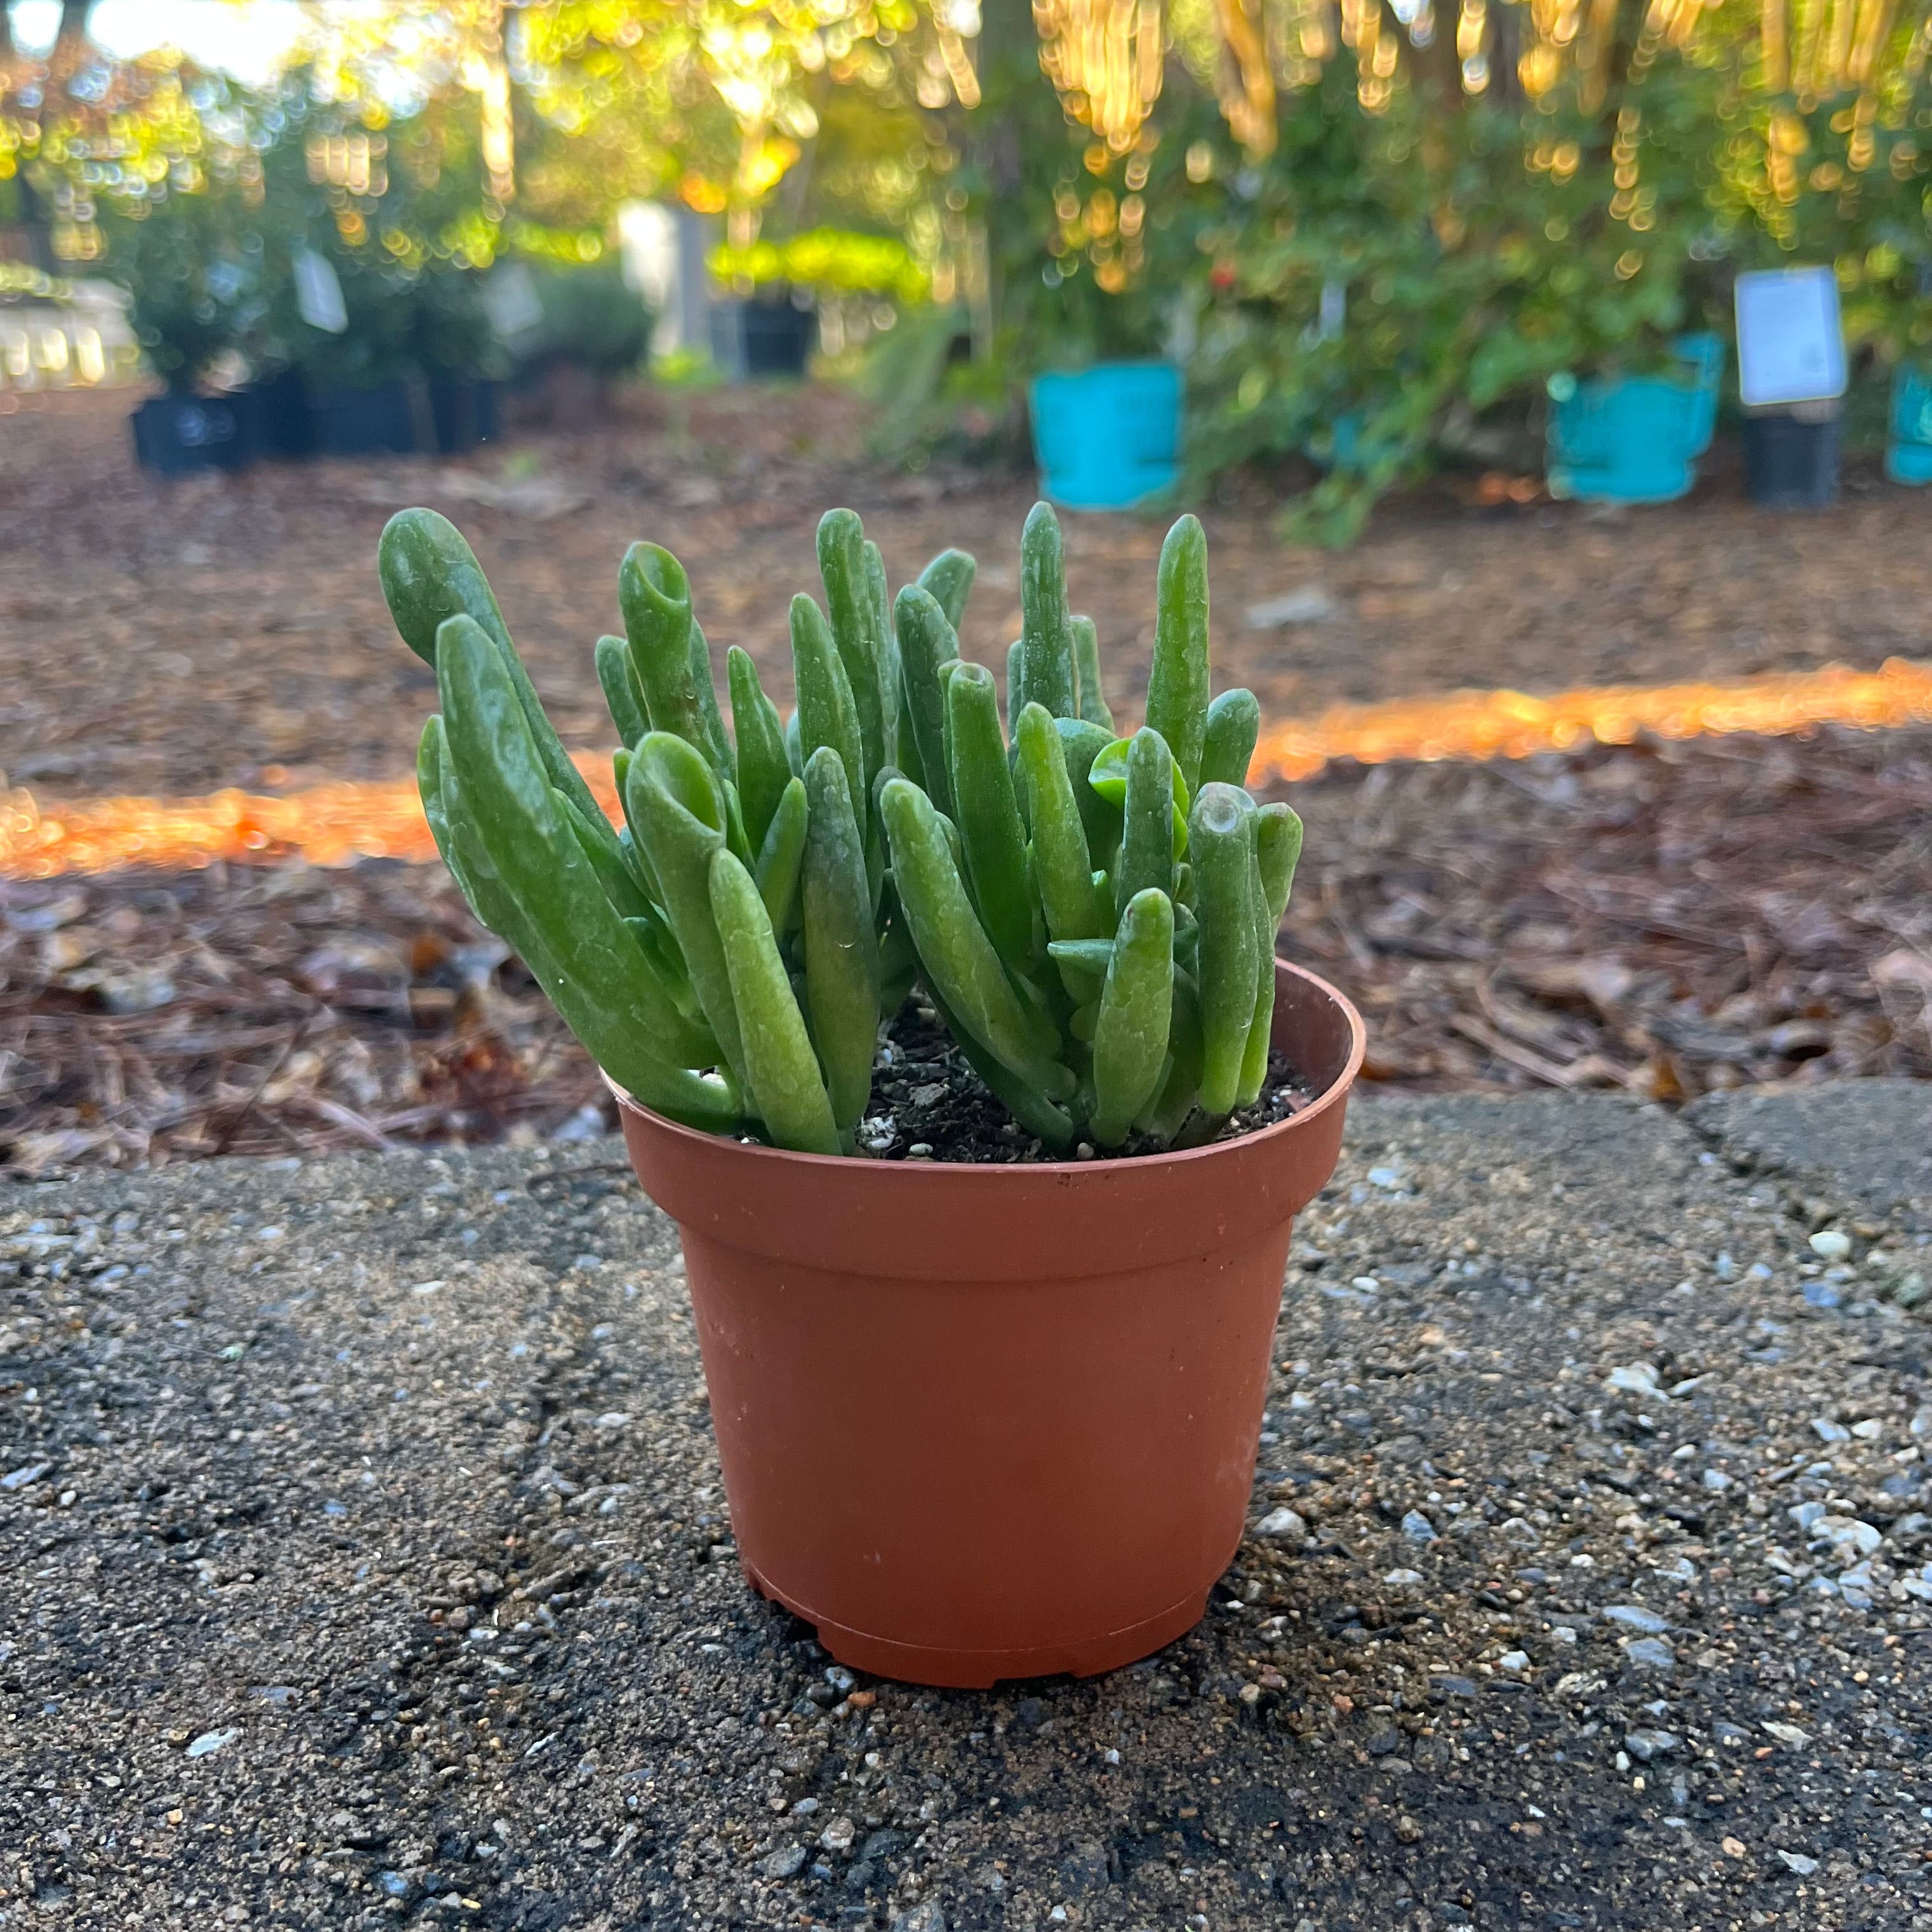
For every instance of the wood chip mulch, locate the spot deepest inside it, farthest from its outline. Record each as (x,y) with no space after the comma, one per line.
(1670,918)
(1666,919)
(170,639)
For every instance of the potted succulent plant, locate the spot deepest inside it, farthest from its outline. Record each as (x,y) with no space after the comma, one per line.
(958,1050)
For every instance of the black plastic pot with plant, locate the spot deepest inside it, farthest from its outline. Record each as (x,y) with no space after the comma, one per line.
(765,335)
(1791,455)
(592,330)
(192,265)
(413,371)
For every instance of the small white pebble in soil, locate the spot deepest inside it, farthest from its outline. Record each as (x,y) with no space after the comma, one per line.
(1283,1522)
(1829,1244)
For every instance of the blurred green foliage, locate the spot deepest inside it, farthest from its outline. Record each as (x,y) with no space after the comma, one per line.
(394,210)
(1388,283)
(591,317)
(193,264)
(828,258)
(1390,289)
(1410,239)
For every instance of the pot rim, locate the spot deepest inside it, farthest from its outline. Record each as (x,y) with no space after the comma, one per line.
(1334,1095)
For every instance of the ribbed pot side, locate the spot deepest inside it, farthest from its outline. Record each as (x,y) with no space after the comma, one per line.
(987,1422)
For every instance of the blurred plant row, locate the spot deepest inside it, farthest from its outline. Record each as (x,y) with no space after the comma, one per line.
(1375,233)
(1373,230)
(408,150)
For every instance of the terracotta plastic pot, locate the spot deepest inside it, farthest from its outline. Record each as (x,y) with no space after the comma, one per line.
(987,1422)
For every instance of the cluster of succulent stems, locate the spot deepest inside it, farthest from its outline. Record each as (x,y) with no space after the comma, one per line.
(1092,917)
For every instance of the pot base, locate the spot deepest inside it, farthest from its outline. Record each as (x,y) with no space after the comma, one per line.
(981,1669)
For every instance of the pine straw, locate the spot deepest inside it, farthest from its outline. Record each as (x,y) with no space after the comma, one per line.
(1666,919)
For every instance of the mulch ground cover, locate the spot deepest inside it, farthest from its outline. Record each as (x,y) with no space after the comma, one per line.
(1670,919)
(170,638)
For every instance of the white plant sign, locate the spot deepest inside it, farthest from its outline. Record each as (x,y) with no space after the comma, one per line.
(510,301)
(318,292)
(1791,344)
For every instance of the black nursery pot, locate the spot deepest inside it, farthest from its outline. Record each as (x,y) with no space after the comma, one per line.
(284,415)
(762,338)
(445,416)
(179,435)
(1791,457)
(465,412)
(777,338)
(391,418)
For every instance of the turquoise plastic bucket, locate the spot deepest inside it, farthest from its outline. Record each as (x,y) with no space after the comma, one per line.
(1908,453)
(1108,438)
(1636,438)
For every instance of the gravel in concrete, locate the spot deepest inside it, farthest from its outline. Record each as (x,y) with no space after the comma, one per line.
(369,1566)
(1864,1143)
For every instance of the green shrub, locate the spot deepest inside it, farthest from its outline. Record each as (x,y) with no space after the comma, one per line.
(1463,265)
(592,317)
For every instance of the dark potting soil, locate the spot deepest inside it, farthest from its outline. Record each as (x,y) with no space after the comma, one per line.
(928,1104)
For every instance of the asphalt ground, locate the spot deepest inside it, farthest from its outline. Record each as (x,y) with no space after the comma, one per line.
(369,1564)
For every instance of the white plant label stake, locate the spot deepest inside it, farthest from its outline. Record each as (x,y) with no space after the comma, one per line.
(1791,345)
(318,292)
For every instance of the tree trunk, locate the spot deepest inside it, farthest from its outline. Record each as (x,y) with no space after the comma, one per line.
(72,38)
(1017,106)
(1506,58)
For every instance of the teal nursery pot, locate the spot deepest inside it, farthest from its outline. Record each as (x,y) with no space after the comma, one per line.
(1635,438)
(1108,438)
